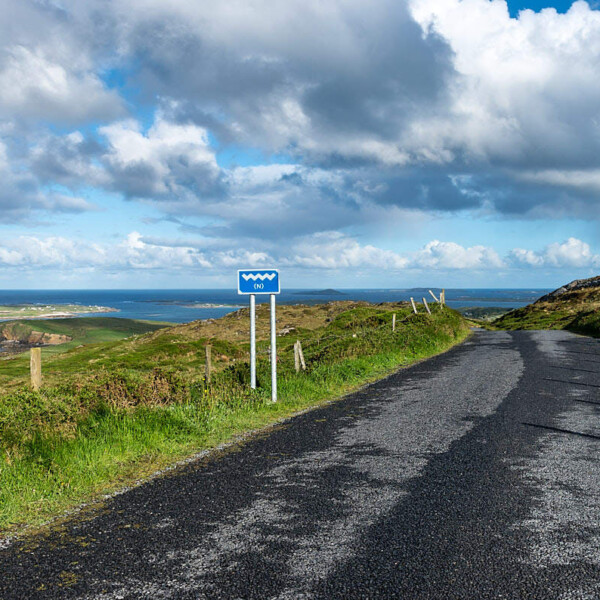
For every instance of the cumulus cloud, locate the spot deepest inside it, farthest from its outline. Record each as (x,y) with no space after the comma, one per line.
(571,253)
(334,79)
(70,160)
(49,64)
(526,90)
(36,87)
(449,255)
(134,252)
(332,250)
(323,251)
(22,195)
(169,161)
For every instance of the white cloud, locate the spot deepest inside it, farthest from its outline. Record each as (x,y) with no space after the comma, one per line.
(135,253)
(449,255)
(585,180)
(460,109)
(332,250)
(571,253)
(34,86)
(170,160)
(527,90)
(328,251)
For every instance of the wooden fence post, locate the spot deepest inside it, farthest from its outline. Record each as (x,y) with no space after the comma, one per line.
(443,297)
(394,322)
(36,368)
(412,301)
(426,305)
(208,366)
(301,355)
(434,296)
(296,356)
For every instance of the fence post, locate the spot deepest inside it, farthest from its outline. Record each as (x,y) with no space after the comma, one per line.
(296,356)
(426,305)
(394,322)
(412,301)
(443,297)
(434,296)
(301,355)
(208,366)
(36,368)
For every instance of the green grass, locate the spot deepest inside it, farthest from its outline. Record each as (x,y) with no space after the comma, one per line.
(91,332)
(575,307)
(86,330)
(585,320)
(142,406)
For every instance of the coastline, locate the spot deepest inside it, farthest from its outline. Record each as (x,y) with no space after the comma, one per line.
(16,313)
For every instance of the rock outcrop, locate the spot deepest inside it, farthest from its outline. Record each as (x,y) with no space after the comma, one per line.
(47,339)
(578,284)
(34,338)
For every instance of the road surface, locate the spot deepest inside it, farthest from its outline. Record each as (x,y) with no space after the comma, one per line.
(475,474)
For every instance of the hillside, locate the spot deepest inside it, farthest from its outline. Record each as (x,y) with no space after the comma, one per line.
(107,344)
(109,413)
(574,306)
(76,336)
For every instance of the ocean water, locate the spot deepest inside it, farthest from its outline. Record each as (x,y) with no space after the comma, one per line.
(181,306)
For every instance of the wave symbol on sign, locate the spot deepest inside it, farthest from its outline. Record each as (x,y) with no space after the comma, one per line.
(262,277)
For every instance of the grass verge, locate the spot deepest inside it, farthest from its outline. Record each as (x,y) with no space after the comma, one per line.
(88,435)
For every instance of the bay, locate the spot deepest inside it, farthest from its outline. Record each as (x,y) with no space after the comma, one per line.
(182,306)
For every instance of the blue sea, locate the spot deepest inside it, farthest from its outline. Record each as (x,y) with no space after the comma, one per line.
(181,306)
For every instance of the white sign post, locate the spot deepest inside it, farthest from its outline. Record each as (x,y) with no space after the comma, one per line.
(273,352)
(253,341)
(261,281)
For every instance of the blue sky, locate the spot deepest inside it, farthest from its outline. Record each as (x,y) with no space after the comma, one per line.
(384,144)
(517,5)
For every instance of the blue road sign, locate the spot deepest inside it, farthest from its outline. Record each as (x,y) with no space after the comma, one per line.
(258,281)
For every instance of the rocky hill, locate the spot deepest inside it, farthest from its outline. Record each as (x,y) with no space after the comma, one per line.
(578,290)
(574,306)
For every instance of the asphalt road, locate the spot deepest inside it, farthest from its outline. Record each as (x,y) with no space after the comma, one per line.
(472,475)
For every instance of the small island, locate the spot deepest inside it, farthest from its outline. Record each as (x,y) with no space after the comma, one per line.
(48,311)
(321,293)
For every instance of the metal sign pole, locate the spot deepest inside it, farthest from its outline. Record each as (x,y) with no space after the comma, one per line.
(273,352)
(253,282)
(253,341)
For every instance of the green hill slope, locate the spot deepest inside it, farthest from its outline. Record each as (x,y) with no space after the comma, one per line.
(75,337)
(575,306)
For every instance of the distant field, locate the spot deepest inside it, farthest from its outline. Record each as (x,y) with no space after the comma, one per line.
(32,311)
(88,332)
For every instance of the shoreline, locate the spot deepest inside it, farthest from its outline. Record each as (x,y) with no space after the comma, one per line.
(62,314)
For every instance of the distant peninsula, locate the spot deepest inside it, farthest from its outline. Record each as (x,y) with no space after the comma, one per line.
(321,293)
(48,311)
